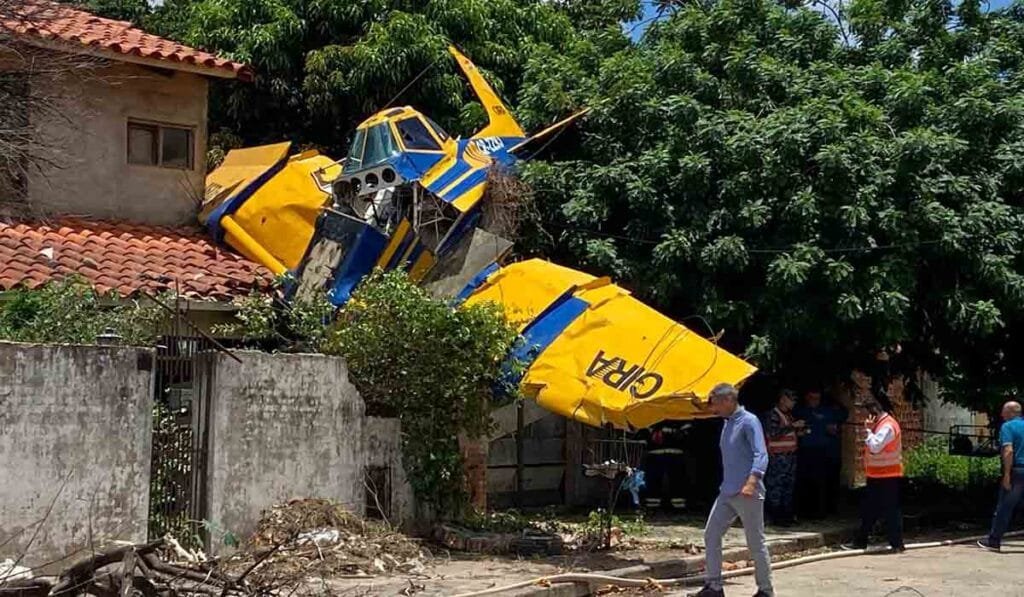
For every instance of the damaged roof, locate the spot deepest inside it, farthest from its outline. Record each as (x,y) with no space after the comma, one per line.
(54,22)
(125,258)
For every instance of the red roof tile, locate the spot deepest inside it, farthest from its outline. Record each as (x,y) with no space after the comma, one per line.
(128,258)
(53,21)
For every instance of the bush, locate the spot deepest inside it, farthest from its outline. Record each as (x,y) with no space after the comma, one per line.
(264,322)
(931,463)
(432,366)
(72,312)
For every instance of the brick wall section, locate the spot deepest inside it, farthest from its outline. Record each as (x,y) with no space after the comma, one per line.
(853,435)
(474,458)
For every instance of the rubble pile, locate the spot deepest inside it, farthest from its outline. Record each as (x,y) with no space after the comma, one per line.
(311,538)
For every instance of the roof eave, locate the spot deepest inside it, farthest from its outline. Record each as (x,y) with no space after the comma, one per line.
(245,74)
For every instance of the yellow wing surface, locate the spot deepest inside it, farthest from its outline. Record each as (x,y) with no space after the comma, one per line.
(599,356)
(270,202)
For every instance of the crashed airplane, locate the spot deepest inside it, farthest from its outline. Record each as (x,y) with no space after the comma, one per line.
(409,196)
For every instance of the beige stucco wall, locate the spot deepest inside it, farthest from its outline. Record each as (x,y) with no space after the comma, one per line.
(89,140)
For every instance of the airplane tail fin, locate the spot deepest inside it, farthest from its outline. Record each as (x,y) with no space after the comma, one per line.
(502,123)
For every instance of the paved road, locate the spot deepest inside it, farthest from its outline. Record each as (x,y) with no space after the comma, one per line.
(940,572)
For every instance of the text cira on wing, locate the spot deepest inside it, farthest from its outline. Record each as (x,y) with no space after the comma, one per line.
(618,374)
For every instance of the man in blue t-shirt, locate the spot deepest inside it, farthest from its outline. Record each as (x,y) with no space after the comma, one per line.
(1011,490)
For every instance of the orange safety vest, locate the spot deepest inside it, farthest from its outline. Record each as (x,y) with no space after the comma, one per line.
(888,463)
(785,443)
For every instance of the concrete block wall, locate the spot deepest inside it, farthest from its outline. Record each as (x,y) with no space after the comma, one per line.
(382,449)
(544,466)
(280,426)
(75,432)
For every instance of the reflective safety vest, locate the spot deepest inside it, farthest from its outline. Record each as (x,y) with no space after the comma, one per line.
(785,443)
(889,462)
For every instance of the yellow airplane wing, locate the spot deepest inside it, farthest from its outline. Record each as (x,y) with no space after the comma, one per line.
(265,204)
(622,362)
(525,289)
(597,355)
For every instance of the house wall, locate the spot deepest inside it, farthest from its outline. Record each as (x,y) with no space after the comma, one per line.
(278,427)
(74,448)
(940,415)
(87,131)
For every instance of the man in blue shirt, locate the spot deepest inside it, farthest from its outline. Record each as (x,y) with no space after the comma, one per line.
(741,495)
(820,452)
(1011,490)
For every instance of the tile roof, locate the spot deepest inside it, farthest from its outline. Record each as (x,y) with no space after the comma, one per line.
(52,21)
(126,258)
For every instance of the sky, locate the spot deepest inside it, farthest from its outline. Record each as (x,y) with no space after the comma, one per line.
(636,29)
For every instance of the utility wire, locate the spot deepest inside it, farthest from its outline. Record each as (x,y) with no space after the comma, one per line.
(408,85)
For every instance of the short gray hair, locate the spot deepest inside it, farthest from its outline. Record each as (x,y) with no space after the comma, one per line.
(723,390)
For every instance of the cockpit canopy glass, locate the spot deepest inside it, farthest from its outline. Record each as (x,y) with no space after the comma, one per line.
(370,147)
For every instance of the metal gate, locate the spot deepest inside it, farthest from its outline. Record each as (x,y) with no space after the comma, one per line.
(178,463)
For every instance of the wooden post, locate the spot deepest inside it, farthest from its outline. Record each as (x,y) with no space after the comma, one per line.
(573,458)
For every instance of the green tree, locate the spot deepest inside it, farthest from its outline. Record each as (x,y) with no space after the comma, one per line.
(819,196)
(432,366)
(322,66)
(133,11)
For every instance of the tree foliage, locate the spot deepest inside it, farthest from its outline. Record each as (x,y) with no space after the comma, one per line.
(322,66)
(818,197)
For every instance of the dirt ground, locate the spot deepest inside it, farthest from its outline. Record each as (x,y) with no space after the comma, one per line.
(452,573)
(961,571)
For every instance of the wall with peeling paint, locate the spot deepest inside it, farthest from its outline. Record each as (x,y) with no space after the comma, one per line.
(75,441)
(280,426)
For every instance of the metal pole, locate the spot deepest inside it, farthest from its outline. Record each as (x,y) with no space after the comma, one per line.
(520,468)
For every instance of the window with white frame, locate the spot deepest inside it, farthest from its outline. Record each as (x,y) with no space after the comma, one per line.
(160,145)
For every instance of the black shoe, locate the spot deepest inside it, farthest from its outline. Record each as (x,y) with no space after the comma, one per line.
(852,547)
(708,592)
(985,544)
(897,549)
(761,594)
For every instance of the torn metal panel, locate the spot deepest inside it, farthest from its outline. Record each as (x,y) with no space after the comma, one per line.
(453,272)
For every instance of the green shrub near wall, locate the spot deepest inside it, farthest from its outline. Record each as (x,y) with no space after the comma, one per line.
(931,463)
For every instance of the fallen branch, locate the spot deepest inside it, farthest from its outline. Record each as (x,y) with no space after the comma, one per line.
(86,569)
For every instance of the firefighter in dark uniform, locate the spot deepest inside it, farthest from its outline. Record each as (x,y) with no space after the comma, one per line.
(665,468)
